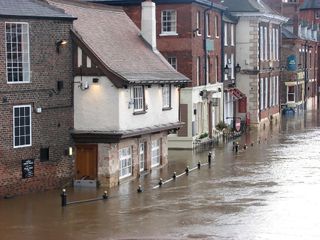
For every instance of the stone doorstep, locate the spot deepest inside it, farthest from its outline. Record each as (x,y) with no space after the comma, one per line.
(85,183)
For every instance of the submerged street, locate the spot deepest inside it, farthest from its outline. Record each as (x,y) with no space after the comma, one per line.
(268,191)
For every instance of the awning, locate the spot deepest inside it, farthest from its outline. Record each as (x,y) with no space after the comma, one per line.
(235,92)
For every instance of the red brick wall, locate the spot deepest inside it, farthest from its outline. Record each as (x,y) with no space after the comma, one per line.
(50,129)
(187,46)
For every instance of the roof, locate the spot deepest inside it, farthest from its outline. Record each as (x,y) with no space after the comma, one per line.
(240,6)
(31,9)
(288,34)
(207,3)
(116,41)
(310,4)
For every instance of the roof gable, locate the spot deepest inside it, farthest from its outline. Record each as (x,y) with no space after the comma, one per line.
(310,4)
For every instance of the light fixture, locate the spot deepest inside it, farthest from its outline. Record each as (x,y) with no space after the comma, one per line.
(238,68)
(60,43)
(84,85)
(95,80)
(226,69)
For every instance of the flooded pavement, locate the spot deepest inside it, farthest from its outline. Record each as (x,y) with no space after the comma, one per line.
(269,191)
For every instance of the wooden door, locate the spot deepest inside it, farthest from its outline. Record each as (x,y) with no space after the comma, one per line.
(86,162)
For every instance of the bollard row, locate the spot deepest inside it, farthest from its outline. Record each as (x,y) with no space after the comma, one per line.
(64,201)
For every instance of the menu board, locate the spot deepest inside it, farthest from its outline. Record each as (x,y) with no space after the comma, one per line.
(27,168)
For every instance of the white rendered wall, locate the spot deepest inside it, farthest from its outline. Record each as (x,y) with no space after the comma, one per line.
(154,114)
(96,109)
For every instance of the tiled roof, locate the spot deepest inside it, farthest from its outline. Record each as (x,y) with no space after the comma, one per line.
(117,42)
(248,6)
(310,4)
(207,3)
(30,8)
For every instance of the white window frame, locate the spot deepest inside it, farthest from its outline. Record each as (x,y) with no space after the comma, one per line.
(155,153)
(274,43)
(173,62)
(266,82)
(172,22)
(216,26)
(277,44)
(261,93)
(271,92)
(277,90)
(198,71)
(138,98)
(166,96)
(198,21)
(270,44)
(232,66)
(125,162)
(208,25)
(225,64)
(261,43)
(141,156)
(226,34)
(208,70)
(265,40)
(291,93)
(22,126)
(25,54)
(232,34)
(216,68)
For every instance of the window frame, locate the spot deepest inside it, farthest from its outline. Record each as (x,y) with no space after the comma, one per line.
(155,147)
(216,26)
(166,97)
(232,34)
(138,98)
(173,62)
(142,156)
(19,126)
(174,22)
(128,162)
(25,53)
(198,23)
(208,25)
(291,94)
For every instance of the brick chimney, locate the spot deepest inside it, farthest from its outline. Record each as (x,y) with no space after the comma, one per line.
(148,23)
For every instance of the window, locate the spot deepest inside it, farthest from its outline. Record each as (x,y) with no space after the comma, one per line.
(22,126)
(317,14)
(266,93)
(198,71)
(166,97)
(232,34)
(138,98)
(208,70)
(271,91)
(17,52)
(261,43)
(270,45)
(224,65)
(290,94)
(125,162)
(198,23)
(261,93)
(216,69)
(265,42)
(277,44)
(277,90)
(232,66)
(173,62)
(155,153)
(169,22)
(208,25)
(141,156)
(216,26)
(226,34)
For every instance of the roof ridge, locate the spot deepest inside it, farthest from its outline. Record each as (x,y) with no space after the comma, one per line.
(91,5)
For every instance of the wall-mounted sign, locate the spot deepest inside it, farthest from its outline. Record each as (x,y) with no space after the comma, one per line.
(27,168)
(292,63)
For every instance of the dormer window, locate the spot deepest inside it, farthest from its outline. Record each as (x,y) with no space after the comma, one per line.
(138,99)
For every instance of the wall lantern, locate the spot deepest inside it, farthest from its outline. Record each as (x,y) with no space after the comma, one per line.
(226,70)
(238,68)
(95,80)
(60,43)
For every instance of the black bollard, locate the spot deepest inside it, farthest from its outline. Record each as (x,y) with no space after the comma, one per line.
(160,182)
(237,147)
(139,190)
(105,195)
(252,144)
(209,159)
(187,170)
(233,146)
(63,198)
(199,165)
(245,146)
(174,176)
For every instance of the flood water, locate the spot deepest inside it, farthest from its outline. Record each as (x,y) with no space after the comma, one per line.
(269,191)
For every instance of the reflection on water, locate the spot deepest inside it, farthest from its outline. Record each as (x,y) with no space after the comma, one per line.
(269,191)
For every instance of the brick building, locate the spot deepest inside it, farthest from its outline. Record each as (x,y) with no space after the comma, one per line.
(189,36)
(299,53)
(36,97)
(259,57)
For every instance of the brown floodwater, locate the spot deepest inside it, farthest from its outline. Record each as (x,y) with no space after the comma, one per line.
(269,191)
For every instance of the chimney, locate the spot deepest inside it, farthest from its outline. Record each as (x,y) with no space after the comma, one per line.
(148,23)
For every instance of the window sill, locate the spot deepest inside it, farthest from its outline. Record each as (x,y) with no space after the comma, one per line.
(166,108)
(139,112)
(168,34)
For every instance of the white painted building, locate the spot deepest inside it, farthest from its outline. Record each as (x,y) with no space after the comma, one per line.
(126,95)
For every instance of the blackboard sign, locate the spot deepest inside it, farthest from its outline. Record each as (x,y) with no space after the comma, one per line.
(27,168)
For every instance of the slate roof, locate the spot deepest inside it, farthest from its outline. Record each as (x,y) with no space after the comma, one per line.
(288,34)
(115,39)
(138,2)
(310,4)
(31,9)
(248,6)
